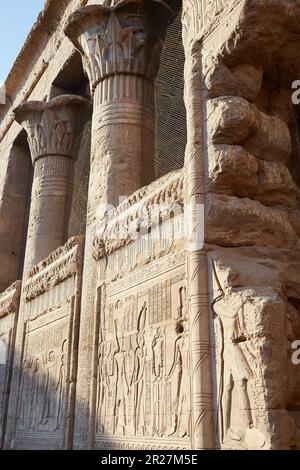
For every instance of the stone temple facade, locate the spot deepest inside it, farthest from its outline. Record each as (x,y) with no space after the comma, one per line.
(150,227)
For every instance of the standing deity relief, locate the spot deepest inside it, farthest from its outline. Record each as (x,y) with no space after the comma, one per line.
(238,368)
(143,380)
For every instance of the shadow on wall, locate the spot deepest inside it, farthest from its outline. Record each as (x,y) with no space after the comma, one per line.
(44,416)
(170,112)
(15,199)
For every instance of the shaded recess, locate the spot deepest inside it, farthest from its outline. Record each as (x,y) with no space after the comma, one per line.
(170,110)
(72,80)
(14,212)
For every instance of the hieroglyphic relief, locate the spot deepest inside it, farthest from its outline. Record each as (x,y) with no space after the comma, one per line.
(9,304)
(43,384)
(143,384)
(238,371)
(49,364)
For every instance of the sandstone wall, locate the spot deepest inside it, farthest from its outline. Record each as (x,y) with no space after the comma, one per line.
(167,321)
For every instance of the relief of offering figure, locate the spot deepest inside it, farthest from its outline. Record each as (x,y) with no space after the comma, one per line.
(122,390)
(180,368)
(158,369)
(47,402)
(25,398)
(235,368)
(59,390)
(102,388)
(138,378)
(106,391)
(34,395)
(129,367)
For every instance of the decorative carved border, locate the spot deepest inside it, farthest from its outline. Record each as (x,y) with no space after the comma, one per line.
(201,17)
(58,266)
(168,191)
(9,299)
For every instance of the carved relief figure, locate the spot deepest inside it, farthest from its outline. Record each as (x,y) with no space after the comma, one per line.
(158,369)
(59,389)
(236,371)
(136,385)
(102,388)
(34,395)
(129,368)
(180,368)
(23,414)
(121,383)
(47,391)
(138,379)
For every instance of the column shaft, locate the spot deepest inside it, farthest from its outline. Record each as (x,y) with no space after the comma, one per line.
(51,191)
(123,136)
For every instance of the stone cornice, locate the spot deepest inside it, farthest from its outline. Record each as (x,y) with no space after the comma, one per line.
(9,299)
(52,127)
(122,39)
(164,194)
(199,18)
(41,31)
(61,264)
(32,61)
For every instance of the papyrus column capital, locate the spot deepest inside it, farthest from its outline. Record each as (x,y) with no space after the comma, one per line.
(122,39)
(52,128)
(53,132)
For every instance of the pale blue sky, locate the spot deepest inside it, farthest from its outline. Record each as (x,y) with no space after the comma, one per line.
(16,20)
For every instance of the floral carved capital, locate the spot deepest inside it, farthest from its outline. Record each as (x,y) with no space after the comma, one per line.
(118,39)
(52,127)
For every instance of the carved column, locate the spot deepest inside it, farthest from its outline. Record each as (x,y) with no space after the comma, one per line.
(52,129)
(197,266)
(120,47)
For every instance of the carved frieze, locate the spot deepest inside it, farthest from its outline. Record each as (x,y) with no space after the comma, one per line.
(9,299)
(145,209)
(63,263)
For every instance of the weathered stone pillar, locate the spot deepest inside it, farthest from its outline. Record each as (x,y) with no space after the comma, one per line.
(197,274)
(120,47)
(52,130)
